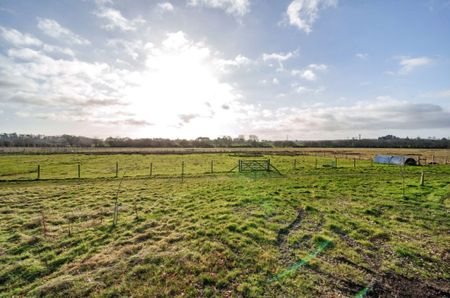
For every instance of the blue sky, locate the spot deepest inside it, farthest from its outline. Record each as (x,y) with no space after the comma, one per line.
(302,69)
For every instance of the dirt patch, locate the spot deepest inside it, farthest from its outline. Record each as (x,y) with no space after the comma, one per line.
(394,285)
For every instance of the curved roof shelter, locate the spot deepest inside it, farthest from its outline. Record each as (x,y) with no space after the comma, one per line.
(395,160)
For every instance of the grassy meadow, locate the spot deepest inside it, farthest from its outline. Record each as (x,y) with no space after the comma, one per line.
(353,231)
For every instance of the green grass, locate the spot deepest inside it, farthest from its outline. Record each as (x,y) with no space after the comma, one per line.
(218,234)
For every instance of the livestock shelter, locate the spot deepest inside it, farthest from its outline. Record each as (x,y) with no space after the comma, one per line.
(395,160)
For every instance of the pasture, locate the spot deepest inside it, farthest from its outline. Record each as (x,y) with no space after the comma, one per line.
(355,230)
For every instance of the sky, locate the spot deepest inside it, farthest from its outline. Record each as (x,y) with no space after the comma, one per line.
(278,69)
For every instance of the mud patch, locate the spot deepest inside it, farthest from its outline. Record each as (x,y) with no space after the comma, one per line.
(394,285)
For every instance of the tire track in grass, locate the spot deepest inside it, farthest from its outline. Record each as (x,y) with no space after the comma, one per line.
(282,237)
(287,254)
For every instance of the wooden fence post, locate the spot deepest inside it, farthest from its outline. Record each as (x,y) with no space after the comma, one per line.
(212,166)
(151,169)
(422,179)
(39,172)
(316,163)
(295,164)
(117,169)
(182,171)
(79,170)
(354,162)
(403,180)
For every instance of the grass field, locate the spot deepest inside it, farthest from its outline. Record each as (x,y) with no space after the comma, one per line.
(364,231)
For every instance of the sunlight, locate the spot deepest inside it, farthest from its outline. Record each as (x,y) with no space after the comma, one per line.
(180,85)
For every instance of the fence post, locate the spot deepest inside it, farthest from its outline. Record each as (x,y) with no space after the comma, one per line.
(212,166)
(151,169)
(422,179)
(79,170)
(316,162)
(354,162)
(295,164)
(117,169)
(39,172)
(182,171)
(403,180)
(432,158)
(335,162)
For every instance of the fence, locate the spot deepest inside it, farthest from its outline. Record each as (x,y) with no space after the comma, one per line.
(112,166)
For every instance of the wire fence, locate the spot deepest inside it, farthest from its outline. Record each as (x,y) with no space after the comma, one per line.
(112,166)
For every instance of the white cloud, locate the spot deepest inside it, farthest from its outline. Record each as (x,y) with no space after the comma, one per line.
(320,121)
(17,38)
(166,6)
(179,77)
(320,67)
(53,29)
(303,13)
(233,7)
(279,57)
(308,75)
(132,49)
(239,61)
(362,56)
(306,90)
(20,40)
(409,64)
(115,20)
(55,49)
(309,72)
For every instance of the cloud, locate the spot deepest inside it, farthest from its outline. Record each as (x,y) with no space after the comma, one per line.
(305,90)
(377,115)
(303,13)
(225,65)
(309,72)
(279,58)
(178,77)
(186,118)
(409,64)
(362,56)
(166,6)
(20,40)
(233,7)
(17,38)
(53,29)
(132,49)
(115,20)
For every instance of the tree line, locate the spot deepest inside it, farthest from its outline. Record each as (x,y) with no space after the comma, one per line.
(31,140)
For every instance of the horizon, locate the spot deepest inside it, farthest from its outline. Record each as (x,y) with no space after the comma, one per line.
(304,70)
(245,138)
